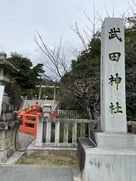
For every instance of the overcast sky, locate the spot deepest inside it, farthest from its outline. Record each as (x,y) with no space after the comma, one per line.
(20,19)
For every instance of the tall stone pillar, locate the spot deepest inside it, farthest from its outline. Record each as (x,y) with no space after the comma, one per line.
(113,98)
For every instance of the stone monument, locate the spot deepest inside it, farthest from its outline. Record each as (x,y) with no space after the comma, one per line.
(114,157)
(113,105)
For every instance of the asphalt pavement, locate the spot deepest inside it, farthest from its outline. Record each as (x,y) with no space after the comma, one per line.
(34,173)
(13,172)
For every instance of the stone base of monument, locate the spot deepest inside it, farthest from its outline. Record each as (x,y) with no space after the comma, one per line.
(115,140)
(113,159)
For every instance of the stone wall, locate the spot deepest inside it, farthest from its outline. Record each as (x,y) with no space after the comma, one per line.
(7,139)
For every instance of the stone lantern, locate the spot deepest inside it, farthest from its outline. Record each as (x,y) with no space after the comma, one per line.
(5,69)
(8,125)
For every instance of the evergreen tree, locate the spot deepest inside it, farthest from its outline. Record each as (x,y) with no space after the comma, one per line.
(83,81)
(27,77)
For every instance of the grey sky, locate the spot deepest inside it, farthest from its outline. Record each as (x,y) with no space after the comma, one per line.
(20,19)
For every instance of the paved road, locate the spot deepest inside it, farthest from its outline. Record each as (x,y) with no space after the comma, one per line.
(33,173)
(12,172)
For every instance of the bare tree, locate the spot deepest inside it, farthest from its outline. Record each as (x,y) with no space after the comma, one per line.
(92,30)
(131,20)
(132,6)
(56,57)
